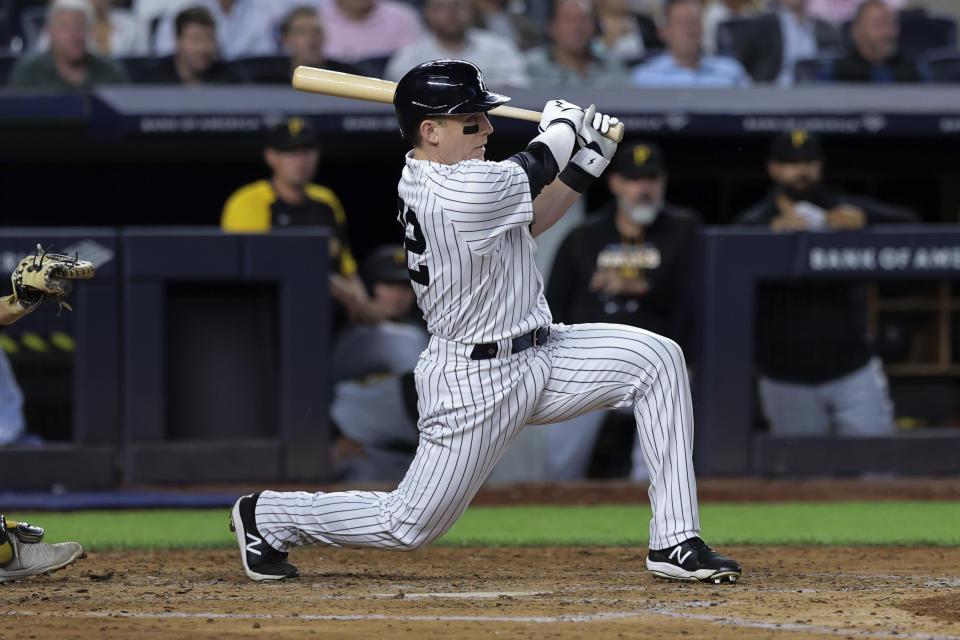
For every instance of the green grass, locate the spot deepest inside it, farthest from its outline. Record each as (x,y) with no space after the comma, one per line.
(838,523)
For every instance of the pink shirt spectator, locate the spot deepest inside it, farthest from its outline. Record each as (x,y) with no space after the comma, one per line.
(839,11)
(388,27)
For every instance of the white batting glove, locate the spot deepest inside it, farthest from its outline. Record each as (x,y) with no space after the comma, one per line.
(561,140)
(596,150)
(593,142)
(556,111)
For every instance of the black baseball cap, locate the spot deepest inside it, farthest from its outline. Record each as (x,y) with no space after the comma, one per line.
(798,145)
(641,159)
(386,263)
(291,133)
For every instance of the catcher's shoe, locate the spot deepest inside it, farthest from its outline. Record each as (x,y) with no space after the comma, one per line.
(260,560)
(693,560)
(22,554)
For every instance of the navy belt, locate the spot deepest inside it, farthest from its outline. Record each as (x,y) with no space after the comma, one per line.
(489,350)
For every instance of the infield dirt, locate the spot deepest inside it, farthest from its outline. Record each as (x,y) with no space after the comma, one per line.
(445,592)
(529,592)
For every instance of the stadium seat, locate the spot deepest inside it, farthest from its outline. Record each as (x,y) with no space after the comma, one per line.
(944,65)
(648,32)
(140,68)
(152,32)
(7,30)
(261,68)
(921,32)
(372,67)
(813,70)
(729,35)
(6,63)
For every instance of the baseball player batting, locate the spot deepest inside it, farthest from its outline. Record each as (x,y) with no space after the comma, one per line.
(495,362)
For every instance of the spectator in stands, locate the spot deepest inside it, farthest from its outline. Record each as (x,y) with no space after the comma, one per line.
(719,11)
(569,60)
(620,37)
(289,199)
(629,263)
(244,28)
(195,60)
(451,37)
(68,65)
(813,382)
(116,32)
(375,400)
(874,57)
(945,8)
(302,35)
(838,12)
(494,16)
(683,64)
(368,29)
(771,44)
(303,38)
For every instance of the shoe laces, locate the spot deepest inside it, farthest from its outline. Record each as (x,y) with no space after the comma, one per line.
(698,544)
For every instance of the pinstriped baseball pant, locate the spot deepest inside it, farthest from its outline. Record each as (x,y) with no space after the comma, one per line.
(470,411)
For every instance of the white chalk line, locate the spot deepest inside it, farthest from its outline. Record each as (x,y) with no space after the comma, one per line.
(466,595)
(573,618)
(335,617)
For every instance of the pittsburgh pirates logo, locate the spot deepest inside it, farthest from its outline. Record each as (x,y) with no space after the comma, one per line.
(641,154)
(799,138)
(295,126)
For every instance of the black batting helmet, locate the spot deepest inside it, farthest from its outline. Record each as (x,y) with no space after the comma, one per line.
(441,88)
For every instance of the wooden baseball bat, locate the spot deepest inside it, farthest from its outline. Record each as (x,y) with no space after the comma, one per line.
(347,85)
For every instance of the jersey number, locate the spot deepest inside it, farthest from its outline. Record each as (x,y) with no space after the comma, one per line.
(417,244)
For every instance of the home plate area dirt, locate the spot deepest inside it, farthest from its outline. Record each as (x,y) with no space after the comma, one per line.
(443,592)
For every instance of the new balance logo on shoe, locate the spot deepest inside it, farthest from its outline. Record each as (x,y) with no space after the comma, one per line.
(269,564)
(692,559)
(254,541)
(676,552)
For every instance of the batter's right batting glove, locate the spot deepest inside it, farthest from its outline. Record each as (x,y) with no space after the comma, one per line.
(596,151)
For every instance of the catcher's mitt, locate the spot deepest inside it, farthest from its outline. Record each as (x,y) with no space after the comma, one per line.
(47,276)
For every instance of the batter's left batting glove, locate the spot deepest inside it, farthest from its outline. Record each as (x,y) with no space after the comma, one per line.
(596,151)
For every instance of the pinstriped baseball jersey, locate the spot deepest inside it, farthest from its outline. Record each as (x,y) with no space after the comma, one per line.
(470,257)
(469,249)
